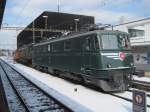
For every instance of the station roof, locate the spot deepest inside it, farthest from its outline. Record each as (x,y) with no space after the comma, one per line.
(62,21)
(2,8)
(53,20)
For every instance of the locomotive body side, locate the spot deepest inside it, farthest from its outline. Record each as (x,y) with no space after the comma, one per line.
(17,55)
(84,56)
(25,55)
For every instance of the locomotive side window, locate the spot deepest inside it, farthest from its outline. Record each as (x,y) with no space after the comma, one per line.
(43,49)
(76,44)
(49,47)
(87,43)
(96,43)
(67,45)
(57,47)
(109,41)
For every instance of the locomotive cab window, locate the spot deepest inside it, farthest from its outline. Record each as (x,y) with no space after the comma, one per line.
(90,43)
(124,42)
(109,41)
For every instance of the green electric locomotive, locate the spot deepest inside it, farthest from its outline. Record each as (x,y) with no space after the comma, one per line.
(101,58)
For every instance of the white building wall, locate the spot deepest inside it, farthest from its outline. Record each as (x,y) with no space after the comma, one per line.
(147,32)
(121,28)
(142,25)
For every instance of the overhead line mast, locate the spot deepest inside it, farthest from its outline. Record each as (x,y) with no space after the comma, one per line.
(58,5)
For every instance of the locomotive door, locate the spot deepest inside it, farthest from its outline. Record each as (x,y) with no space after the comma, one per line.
(87,51)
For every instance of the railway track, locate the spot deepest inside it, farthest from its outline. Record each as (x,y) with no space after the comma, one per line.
(125,98)
(141,85)
(148,95)
(12,99)
(31,97)
(7,68)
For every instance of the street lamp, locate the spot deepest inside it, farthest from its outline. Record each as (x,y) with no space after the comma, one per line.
(45,17)
(33,29)
(58,5)
(76,24)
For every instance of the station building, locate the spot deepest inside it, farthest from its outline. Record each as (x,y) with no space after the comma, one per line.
(2,8)
(52,24)
(139,32)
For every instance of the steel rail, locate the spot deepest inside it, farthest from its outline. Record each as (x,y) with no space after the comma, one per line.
(15,89)
(148,95)
(141,84)
(126,99)
(57,102)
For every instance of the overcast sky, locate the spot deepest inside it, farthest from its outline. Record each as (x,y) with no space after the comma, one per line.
(22,12)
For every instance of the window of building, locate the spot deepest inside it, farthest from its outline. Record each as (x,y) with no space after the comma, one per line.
(136,33)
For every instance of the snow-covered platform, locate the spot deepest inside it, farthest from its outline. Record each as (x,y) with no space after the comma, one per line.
(84,99)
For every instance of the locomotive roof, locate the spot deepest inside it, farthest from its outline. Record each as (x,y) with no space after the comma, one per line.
(78,35)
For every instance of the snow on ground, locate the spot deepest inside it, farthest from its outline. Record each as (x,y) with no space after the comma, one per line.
(147,79)
(91,99)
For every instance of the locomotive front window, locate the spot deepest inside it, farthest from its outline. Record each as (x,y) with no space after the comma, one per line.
(124,41)
(109,41)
